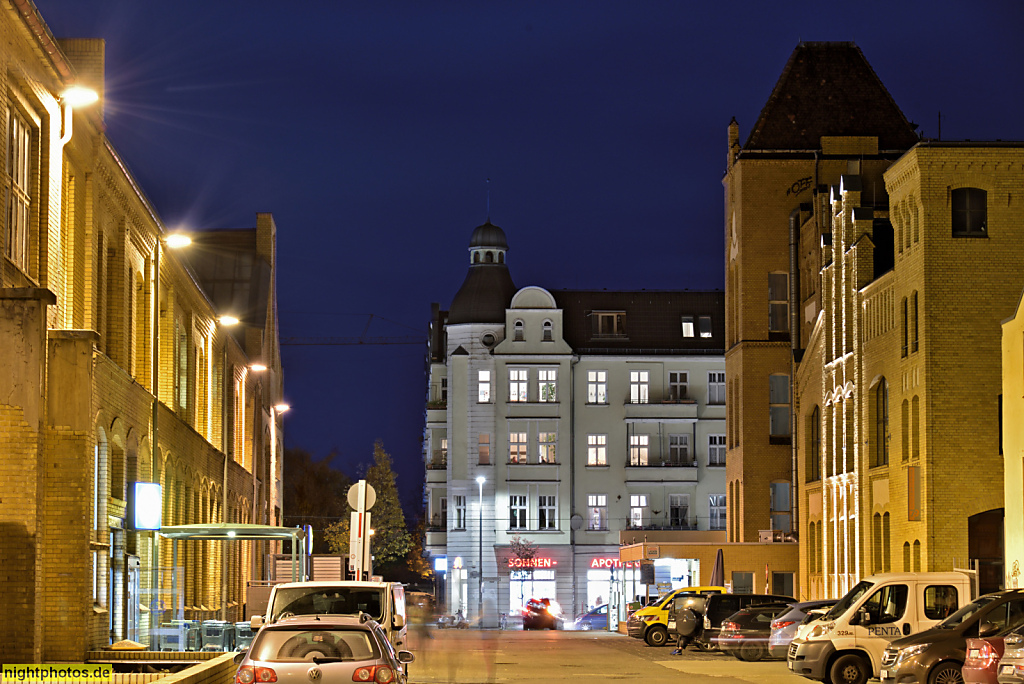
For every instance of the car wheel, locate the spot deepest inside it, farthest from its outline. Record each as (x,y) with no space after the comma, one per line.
(703,646)
(850,669)
(946,673)
(656,636)
(751,652)
(585,626)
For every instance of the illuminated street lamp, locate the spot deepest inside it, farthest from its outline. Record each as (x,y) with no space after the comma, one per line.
(281,408)
(480,479)
(257,367)
(75,96)
(227,320)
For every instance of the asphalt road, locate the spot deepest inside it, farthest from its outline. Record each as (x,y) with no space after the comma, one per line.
(472,656)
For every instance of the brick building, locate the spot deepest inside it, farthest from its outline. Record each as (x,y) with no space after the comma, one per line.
(86,346)
(847,260)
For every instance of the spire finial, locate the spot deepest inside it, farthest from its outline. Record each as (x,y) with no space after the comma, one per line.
(488,200)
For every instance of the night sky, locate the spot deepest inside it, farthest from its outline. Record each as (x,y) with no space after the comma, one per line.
(369,130)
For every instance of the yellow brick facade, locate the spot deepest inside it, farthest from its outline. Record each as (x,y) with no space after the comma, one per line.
(77,313)
(1013,447)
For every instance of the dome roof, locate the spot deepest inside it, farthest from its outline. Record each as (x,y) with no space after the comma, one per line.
(488,235)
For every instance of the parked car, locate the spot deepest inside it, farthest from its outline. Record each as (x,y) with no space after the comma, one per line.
(330,648)
(651,623)
(1011,665)
(542,613)
(785,626)
(984,654)
(938,654)
(695,620)
(595,618)
(744,634)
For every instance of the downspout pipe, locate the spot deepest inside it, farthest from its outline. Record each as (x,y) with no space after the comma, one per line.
(794,341)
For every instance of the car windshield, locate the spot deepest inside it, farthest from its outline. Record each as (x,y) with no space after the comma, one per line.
(304,644)
(695,603)
(961,616)
(851,597)
(327,601)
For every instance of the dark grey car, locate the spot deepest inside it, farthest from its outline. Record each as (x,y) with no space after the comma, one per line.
(693,619)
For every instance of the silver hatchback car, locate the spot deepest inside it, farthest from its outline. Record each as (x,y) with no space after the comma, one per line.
(311,649)
(1011,666)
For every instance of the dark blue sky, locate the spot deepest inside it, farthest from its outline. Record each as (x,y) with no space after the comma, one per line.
(369,128)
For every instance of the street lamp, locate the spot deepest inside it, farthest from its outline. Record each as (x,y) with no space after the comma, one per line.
(480,479)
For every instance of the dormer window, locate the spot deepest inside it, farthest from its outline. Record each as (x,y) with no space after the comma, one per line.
(688,326)
(518,331)
(705,326)
(970,212)
(609,323)
(548,332)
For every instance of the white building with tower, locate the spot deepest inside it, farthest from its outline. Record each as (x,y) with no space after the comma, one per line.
(574,420)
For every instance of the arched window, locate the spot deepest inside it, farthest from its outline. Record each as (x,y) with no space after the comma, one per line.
(905,332)
(519,334)
(886,560)
(905,429)
(917,555)
(914,332)
(881,451)
(906,556)
(915,427)
(814,446)
(476,257)
(548,331)
(876,542)
(489,258)
(501,257)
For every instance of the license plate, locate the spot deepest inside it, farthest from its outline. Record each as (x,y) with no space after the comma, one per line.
(1006,669)
(671,624)
(790,663)
(883,675)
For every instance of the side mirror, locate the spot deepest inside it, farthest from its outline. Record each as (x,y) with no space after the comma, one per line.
(255,622)
(406,657)
(863,617)
(987,629)
(398,621)
(239,657)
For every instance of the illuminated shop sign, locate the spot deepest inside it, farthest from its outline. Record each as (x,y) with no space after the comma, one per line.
(611,563)
(531,563)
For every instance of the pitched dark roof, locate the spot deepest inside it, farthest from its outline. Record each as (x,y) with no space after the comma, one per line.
(653,321)
(485,294)
(829,89)
(232,273)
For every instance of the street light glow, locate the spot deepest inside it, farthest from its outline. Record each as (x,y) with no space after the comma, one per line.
(79,96)
(228,320)
(177,240)
(281,408)
(480,479)
(257,367)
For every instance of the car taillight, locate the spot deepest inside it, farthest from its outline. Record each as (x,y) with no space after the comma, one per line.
(779,624)
(382,674)
(730,626)
(247,674)
(987,656)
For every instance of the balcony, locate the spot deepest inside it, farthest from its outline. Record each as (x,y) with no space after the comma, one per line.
(437,412)
(438,460)
(658,409)
(522,472)
(661,471)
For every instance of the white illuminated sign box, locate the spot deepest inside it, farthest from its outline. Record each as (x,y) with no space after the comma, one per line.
(148,505)
(441,564)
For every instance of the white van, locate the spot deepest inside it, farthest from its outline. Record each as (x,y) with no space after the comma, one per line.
(382,601)
(847,643)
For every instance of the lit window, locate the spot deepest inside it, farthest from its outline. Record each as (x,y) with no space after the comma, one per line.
(19,179)
(687,326)
(548,381)
(716,387)
(597,507)
(970,211)
(485,449)
(637,504)
(639,449)
(518,384)
(597,454)
(546,513)
(517,512)
(679,510)
(716,511)
(778,399)
(677,381)
(639,387)
(597,387)
(547,442)
(705,326)
(517,447)
(460,512)
(484,386)
(679,450)
(716,450)
(778,302)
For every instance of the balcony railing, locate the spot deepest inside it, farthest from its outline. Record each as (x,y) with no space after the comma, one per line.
(438,461)
(663,462)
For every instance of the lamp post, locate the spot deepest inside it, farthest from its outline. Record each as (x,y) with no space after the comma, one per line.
(480,554)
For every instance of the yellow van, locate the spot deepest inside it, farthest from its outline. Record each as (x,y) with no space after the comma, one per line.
(651,623)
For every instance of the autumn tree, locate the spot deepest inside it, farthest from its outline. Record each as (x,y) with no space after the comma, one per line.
(390,541)
(314,494)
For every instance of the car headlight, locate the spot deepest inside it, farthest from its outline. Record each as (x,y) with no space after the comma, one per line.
(911,651)
(819,630)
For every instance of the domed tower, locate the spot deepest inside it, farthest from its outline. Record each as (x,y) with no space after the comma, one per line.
(488,288)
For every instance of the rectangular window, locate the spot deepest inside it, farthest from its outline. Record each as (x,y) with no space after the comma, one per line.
(637,504)
(597,510)
(485,449)
(444,512)
(677,381)
(181,374)
(716,387)
(518,384)
(546,514)
(742,582)
(597,387)
(517,447)
(444,390)
(639,450)
(687,326)
(679,510)
(913,322)
(546,442)
(970,211)
(484,387)
(705,326)
(780,506)
(778,399)
(639,387)
(460,512)
(517,512)
(778,302)
(548,384)
(609,323)
(940,601)
(716,512)
(679,450)
(716,450)
(19,180)
(597,450)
